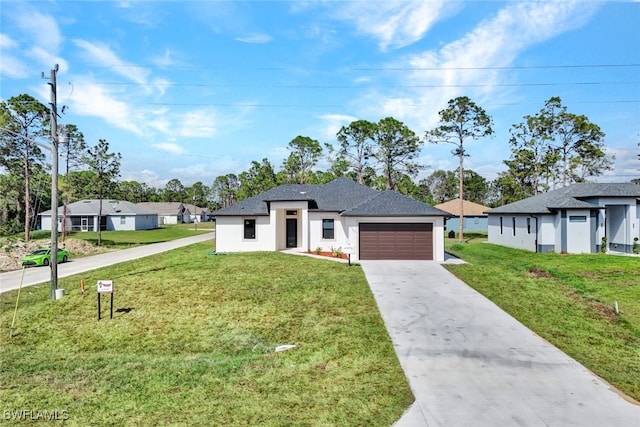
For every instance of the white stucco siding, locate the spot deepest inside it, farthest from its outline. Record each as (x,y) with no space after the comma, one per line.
(578,236)
(168,219)
(121,222)
(351,228)
(547,233)
(146,222)
(513,230)
(230,234)
(339,240)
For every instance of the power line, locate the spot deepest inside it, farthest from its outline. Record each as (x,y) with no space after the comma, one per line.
(320,86)
(514,67)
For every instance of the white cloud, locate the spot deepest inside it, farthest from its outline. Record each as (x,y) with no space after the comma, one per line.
(7,42)
(474,59)
(170,147)
(91,99)
(196,124)
(207,172)
(42,28)
(332,124)
(14,68)
(102,55)
(255,38)
(394,23)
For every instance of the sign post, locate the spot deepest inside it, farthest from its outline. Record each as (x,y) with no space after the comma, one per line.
(349,250)
(105,287)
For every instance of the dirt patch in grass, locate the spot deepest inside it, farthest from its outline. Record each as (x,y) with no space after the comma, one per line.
(12,251)
(536,272)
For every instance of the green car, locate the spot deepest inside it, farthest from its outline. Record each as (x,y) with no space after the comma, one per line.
(43,257)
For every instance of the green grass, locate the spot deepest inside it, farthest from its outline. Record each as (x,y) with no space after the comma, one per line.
(120,239)
(192,343)
(566,299)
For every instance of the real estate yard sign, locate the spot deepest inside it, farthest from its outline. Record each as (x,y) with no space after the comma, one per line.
(105,287)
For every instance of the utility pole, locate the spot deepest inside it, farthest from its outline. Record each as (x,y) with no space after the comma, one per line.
(54,184)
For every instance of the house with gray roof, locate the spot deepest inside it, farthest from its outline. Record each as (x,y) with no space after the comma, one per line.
(580,218)
(367,223)
(168,212)
(84,215)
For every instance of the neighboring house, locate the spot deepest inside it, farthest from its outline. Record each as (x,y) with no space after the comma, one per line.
(168,212)
(116,215)
(474,219)
(574,219)
(340,214)
(197,214)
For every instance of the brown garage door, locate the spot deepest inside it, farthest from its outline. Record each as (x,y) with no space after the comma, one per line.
(396,241)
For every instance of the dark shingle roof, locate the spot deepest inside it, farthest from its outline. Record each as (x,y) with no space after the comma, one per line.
(390,203)
(340,195)
(571,197)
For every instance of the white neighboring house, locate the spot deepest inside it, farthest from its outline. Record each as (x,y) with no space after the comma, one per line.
(340,214)
(168,212)
(196,213)
(576,219)
(116,215)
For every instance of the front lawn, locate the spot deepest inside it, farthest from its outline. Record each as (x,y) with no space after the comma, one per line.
(127,238)
(567,299)
(192,343)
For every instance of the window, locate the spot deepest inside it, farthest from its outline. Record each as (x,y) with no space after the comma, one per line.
(123,220)
(249,228)
(500,225)
(528,225)
(513,223)
(292,213)
(327,229)
(577,218)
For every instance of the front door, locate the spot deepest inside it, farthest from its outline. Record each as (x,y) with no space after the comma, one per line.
(292,232)
(84,224)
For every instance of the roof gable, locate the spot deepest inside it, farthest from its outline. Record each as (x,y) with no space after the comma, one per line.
(469,208)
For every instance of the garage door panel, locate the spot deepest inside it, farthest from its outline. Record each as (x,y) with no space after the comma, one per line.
(396,241)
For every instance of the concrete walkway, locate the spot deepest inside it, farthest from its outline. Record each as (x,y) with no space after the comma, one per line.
(11,280)
(470,364)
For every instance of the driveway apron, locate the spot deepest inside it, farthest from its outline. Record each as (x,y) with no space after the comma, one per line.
(471,364)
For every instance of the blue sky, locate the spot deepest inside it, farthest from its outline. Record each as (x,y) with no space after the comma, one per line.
(197,89)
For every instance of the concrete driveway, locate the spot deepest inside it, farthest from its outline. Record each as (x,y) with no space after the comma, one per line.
(471,364)
(11,280)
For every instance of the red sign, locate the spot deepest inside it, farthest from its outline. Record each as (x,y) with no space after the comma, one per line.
(105,286)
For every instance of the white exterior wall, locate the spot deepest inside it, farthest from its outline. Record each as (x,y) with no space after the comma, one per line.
(578,233)
(168,219)
(547,233)
(352,227)
(230,234)
(340,239)
(520,238)
(45,222)
(279,217)
(146,222)
(114,223)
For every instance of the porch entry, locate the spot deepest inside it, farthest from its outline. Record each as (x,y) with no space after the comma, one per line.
(292,232)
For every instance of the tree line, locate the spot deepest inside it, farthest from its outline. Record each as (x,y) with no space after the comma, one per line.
(550,149)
